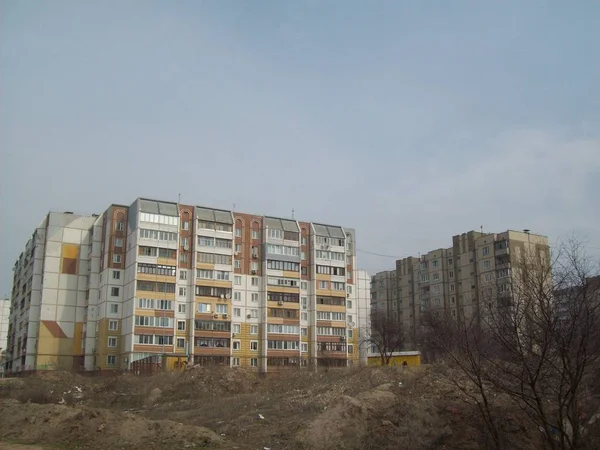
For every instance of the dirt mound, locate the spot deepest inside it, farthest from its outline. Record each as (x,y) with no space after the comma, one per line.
(346,420)
(93,428)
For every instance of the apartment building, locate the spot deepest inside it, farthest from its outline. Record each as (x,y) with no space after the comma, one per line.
(208,285)
(384,294)
(4,320)
(451,280)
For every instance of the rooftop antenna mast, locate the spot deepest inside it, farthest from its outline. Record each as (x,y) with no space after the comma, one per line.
(293,211)
(178,198)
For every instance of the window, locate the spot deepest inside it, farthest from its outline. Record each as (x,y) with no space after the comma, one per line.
(237,280)
(283,329)
(204,274)
(203,307)
(185,225)
(222,275)
(112,342)
(254,346)
(275,234)
(485,251)
(206,241)
(180,343)
(237,312)
(113,325)
(323,284)
(181,308)
(116,275)
(254,297)
(113,308)
(452,300)
(350,348)
(254,362)
(183,257)
(118,242)
(425,277)
(304,302)
(182,291)
(221,308)
(181,325)
(236,345)
(349,304)
(111,360)
(302,256)
(254,234)
(117,259)
(451,274)
(237,296)
(235,362)
(486,264)
(254,281)
(183,275)
(238,232)
(304,285)
(304,347)
(303,240)
(487,277)
(145,303)
(254,313)
(452,287)
(283,345)
(304,316)
(143,339)
(237,328)
(435,263)
(436,276)
(350,334)
(120,226)
(253,329)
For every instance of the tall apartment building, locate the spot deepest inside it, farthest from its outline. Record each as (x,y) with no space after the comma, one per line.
(212,286)
(452,279)
(4,320)
(384,296)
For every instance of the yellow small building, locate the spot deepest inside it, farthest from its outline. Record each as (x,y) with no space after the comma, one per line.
(412,358)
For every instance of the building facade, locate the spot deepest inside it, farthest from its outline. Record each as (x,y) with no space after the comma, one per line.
(211,286)
(4,320)
(452,280)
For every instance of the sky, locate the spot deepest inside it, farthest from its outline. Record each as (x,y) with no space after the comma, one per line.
(410,121)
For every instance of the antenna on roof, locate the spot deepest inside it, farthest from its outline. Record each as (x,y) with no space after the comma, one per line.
(178,198)
(293,210)
(481,227)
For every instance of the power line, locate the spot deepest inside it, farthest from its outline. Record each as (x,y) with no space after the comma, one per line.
(377,254)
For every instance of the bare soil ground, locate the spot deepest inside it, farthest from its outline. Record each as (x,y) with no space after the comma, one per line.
(363,408)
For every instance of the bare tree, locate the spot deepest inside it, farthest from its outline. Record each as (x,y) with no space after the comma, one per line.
(537,340)
(386,337)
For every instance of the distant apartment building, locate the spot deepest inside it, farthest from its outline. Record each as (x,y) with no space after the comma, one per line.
(212,286)
(4,320)
(451,280)
(384,298)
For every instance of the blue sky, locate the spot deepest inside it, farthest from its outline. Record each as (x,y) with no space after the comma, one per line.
(409,121)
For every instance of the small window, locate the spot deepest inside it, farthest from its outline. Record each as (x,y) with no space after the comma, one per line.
(253,329)
(113,308)
(183,275)
(112,342)
(254,362)
(254,297)
(118,242)
(254,346)
(111,360)
(114,291)
(237,312)
(238,232)
(181,308)
(237,328)
(235,362)
(181,325)
(349,304)
(236,345)
(185,225)
(254,234)
(117,259)
(180,343)
(237,296)
(113,325)
(120,226)
(254,281)
(304,347)
(238,264)
(116,275)
(182,291)
(237,280)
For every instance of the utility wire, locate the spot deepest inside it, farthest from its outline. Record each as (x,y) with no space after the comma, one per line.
(377,254)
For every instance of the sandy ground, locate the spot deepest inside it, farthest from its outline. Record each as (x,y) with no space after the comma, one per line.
(361,409)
